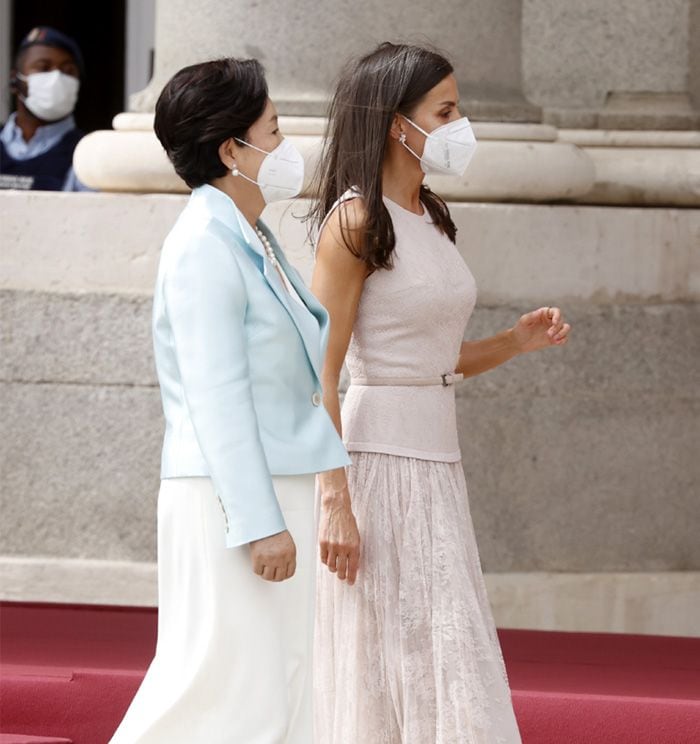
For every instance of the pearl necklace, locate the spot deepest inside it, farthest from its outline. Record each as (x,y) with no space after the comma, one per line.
(266,245)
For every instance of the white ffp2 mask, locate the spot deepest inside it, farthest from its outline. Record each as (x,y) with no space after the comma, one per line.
(281,173)
(51,96)
(448,148)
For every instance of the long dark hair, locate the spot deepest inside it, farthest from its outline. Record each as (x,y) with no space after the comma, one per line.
(370,92)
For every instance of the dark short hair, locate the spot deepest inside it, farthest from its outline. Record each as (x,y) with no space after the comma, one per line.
(202,106)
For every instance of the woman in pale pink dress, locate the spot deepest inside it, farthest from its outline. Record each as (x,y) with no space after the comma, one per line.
(406,646)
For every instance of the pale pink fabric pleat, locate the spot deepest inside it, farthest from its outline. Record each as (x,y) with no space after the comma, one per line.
(409,654)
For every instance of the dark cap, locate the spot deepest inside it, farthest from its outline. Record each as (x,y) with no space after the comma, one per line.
(53,37)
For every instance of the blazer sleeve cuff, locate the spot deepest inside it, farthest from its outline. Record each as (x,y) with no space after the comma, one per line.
(266,523)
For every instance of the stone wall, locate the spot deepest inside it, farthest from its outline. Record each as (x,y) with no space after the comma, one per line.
(581,461)
(303,46)
(624,64)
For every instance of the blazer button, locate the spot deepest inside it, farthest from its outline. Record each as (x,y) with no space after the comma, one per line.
(316,399)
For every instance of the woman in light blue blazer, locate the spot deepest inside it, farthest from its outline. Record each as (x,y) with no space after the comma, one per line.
(239,343)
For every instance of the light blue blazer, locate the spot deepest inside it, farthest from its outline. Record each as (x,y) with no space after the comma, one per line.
(239,364)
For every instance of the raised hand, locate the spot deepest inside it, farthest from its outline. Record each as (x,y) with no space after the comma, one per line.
(541,329)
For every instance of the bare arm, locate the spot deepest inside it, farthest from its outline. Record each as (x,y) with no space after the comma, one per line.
(337,281)
(479,356)
(536,330)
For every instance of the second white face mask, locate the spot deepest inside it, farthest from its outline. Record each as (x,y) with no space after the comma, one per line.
(281,173)
(51,96)
(448,148)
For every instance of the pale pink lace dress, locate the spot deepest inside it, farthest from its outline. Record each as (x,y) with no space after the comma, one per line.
(409,654)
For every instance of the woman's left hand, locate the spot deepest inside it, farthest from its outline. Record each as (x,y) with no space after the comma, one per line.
(540,329)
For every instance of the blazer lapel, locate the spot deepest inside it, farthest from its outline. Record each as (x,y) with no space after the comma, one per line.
(313,325)
(310,300)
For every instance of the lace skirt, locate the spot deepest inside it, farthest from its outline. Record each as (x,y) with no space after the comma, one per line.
(409,654)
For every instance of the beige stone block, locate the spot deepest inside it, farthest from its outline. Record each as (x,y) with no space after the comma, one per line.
(584,254)
(643,110)
(520,171)
(630,138)
(644,176)
(316,126)
(128,160)
(78,581)
(97,242)
(577,459)
(518,252)
(80,467)
(546,254)
(647,603)
(509,169)
(514,162)
(575,53)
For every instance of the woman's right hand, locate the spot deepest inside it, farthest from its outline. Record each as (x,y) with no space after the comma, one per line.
(338,280)
(339,538)
(274,557)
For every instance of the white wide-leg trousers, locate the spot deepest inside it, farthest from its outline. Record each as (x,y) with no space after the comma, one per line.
(233,658)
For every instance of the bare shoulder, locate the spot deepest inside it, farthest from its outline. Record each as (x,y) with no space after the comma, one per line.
(343,230)
(339,272)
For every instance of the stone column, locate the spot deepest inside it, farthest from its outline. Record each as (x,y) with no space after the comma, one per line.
(303,46)
(622,82)
(627,65)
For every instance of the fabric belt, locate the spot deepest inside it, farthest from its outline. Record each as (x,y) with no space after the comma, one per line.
(441,380)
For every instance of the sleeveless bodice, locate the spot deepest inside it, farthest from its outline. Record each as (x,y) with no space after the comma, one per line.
(410,324)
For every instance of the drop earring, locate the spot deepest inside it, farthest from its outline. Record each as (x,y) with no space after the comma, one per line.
(402,138)
(234,170)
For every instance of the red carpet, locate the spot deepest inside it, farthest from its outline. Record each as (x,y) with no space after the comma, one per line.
(67,674)
(607,688)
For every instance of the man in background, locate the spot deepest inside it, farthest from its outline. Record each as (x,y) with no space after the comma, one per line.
(39,138)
